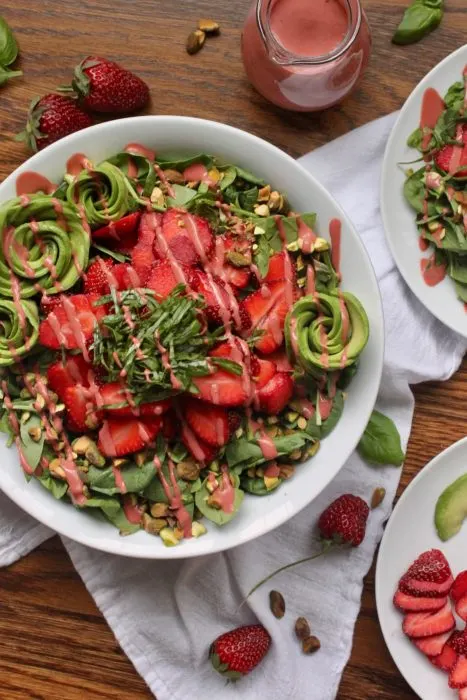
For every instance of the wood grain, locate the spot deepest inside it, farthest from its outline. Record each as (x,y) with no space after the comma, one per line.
(54,644)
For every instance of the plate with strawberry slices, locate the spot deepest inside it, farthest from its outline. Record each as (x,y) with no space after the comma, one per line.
(191,337)
(421,580)
(424,191)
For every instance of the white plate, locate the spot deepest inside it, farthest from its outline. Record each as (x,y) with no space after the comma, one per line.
(409,532)
(399,217)
(257,515)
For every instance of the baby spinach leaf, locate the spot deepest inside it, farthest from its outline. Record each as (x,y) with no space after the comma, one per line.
(248,452)
(249,177)
(217,516)
(183,195)
(121,522)
(248,198)
(174,163)
(256,485)
(135,478)
(32,450)
(336,411)
(6,428)
(56,487)
(230,175)
(414,190)
(381,443)
(110,506)
(454,98)
(119,257)
(415,139)
(461,291)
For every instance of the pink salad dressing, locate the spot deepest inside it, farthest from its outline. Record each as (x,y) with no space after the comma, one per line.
(432,273)
(76,163)
(432,108)
(174,496)
(132,511)
(324,406)
(224,494)
(265,441)
(139,150)
(30,182)
(335,228)
(283,42)
(306,235)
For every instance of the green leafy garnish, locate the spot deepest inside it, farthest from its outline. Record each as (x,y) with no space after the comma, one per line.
(381,442)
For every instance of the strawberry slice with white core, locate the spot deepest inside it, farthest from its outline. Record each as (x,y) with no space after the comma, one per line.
(123,436)
(432,646)
(267,309)
(221,389)
(426,588)
(458,674)
(427,624)
(71,324)
(409,603)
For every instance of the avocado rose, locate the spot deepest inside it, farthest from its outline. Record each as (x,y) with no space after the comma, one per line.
(326,332)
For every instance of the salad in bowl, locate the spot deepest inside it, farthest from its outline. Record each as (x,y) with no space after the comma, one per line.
(175,338)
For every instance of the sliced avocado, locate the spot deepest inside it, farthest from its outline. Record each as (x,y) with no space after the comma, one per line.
(451,509)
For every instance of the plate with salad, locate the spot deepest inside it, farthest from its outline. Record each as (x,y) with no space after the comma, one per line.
(187,356)
(421,579)
(424,191)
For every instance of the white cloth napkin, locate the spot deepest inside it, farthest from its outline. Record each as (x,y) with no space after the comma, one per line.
(165,614)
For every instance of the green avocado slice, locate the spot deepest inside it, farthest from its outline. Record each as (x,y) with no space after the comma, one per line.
(451,509)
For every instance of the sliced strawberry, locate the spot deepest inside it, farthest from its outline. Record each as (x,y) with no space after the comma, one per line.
(126,276)
(116,393)
(432,646)
(463,693)
(200,450)
(458,674)
(446,659)
(443,158)
(143,255)
(163,280)
(282,362)
(410,603)
(238,277)
(221,307)
(221,388)
(74,371)
(262,371)
(276,394)
(147,227)
(222,350)
(81,409)
(267,309)
(459,587)
(425,588)
(210,423)
(426,624)
(71,324)
(50,302)
(99,277)
(428,576)
(189,237)
(121,234)
(280,268)
(458,642)
(461,608)
(122,436)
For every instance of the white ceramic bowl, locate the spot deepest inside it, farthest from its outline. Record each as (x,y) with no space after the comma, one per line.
(258,515)
(399,217)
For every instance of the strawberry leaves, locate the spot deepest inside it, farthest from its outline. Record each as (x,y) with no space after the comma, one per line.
(381,442)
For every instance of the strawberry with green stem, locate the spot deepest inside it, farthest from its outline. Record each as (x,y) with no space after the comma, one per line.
(343,522)
(237,652)
(50,118)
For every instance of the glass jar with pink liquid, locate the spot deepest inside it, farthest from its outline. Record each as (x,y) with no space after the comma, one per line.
(305,55)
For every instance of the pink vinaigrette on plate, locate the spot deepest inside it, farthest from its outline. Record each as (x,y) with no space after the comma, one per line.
(173,349)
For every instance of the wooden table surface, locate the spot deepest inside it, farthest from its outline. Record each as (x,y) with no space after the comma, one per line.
(54,644)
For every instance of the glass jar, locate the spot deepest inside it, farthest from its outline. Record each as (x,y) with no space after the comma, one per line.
(278,38)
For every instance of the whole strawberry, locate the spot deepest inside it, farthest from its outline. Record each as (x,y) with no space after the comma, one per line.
(50,118)
(344,520)
(236,653)
(104,86)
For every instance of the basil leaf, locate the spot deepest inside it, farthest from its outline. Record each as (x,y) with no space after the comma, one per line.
(228,365)
(119,257)
(8,45)
(216,515)
(381,442)
(57,487)
(419,19)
